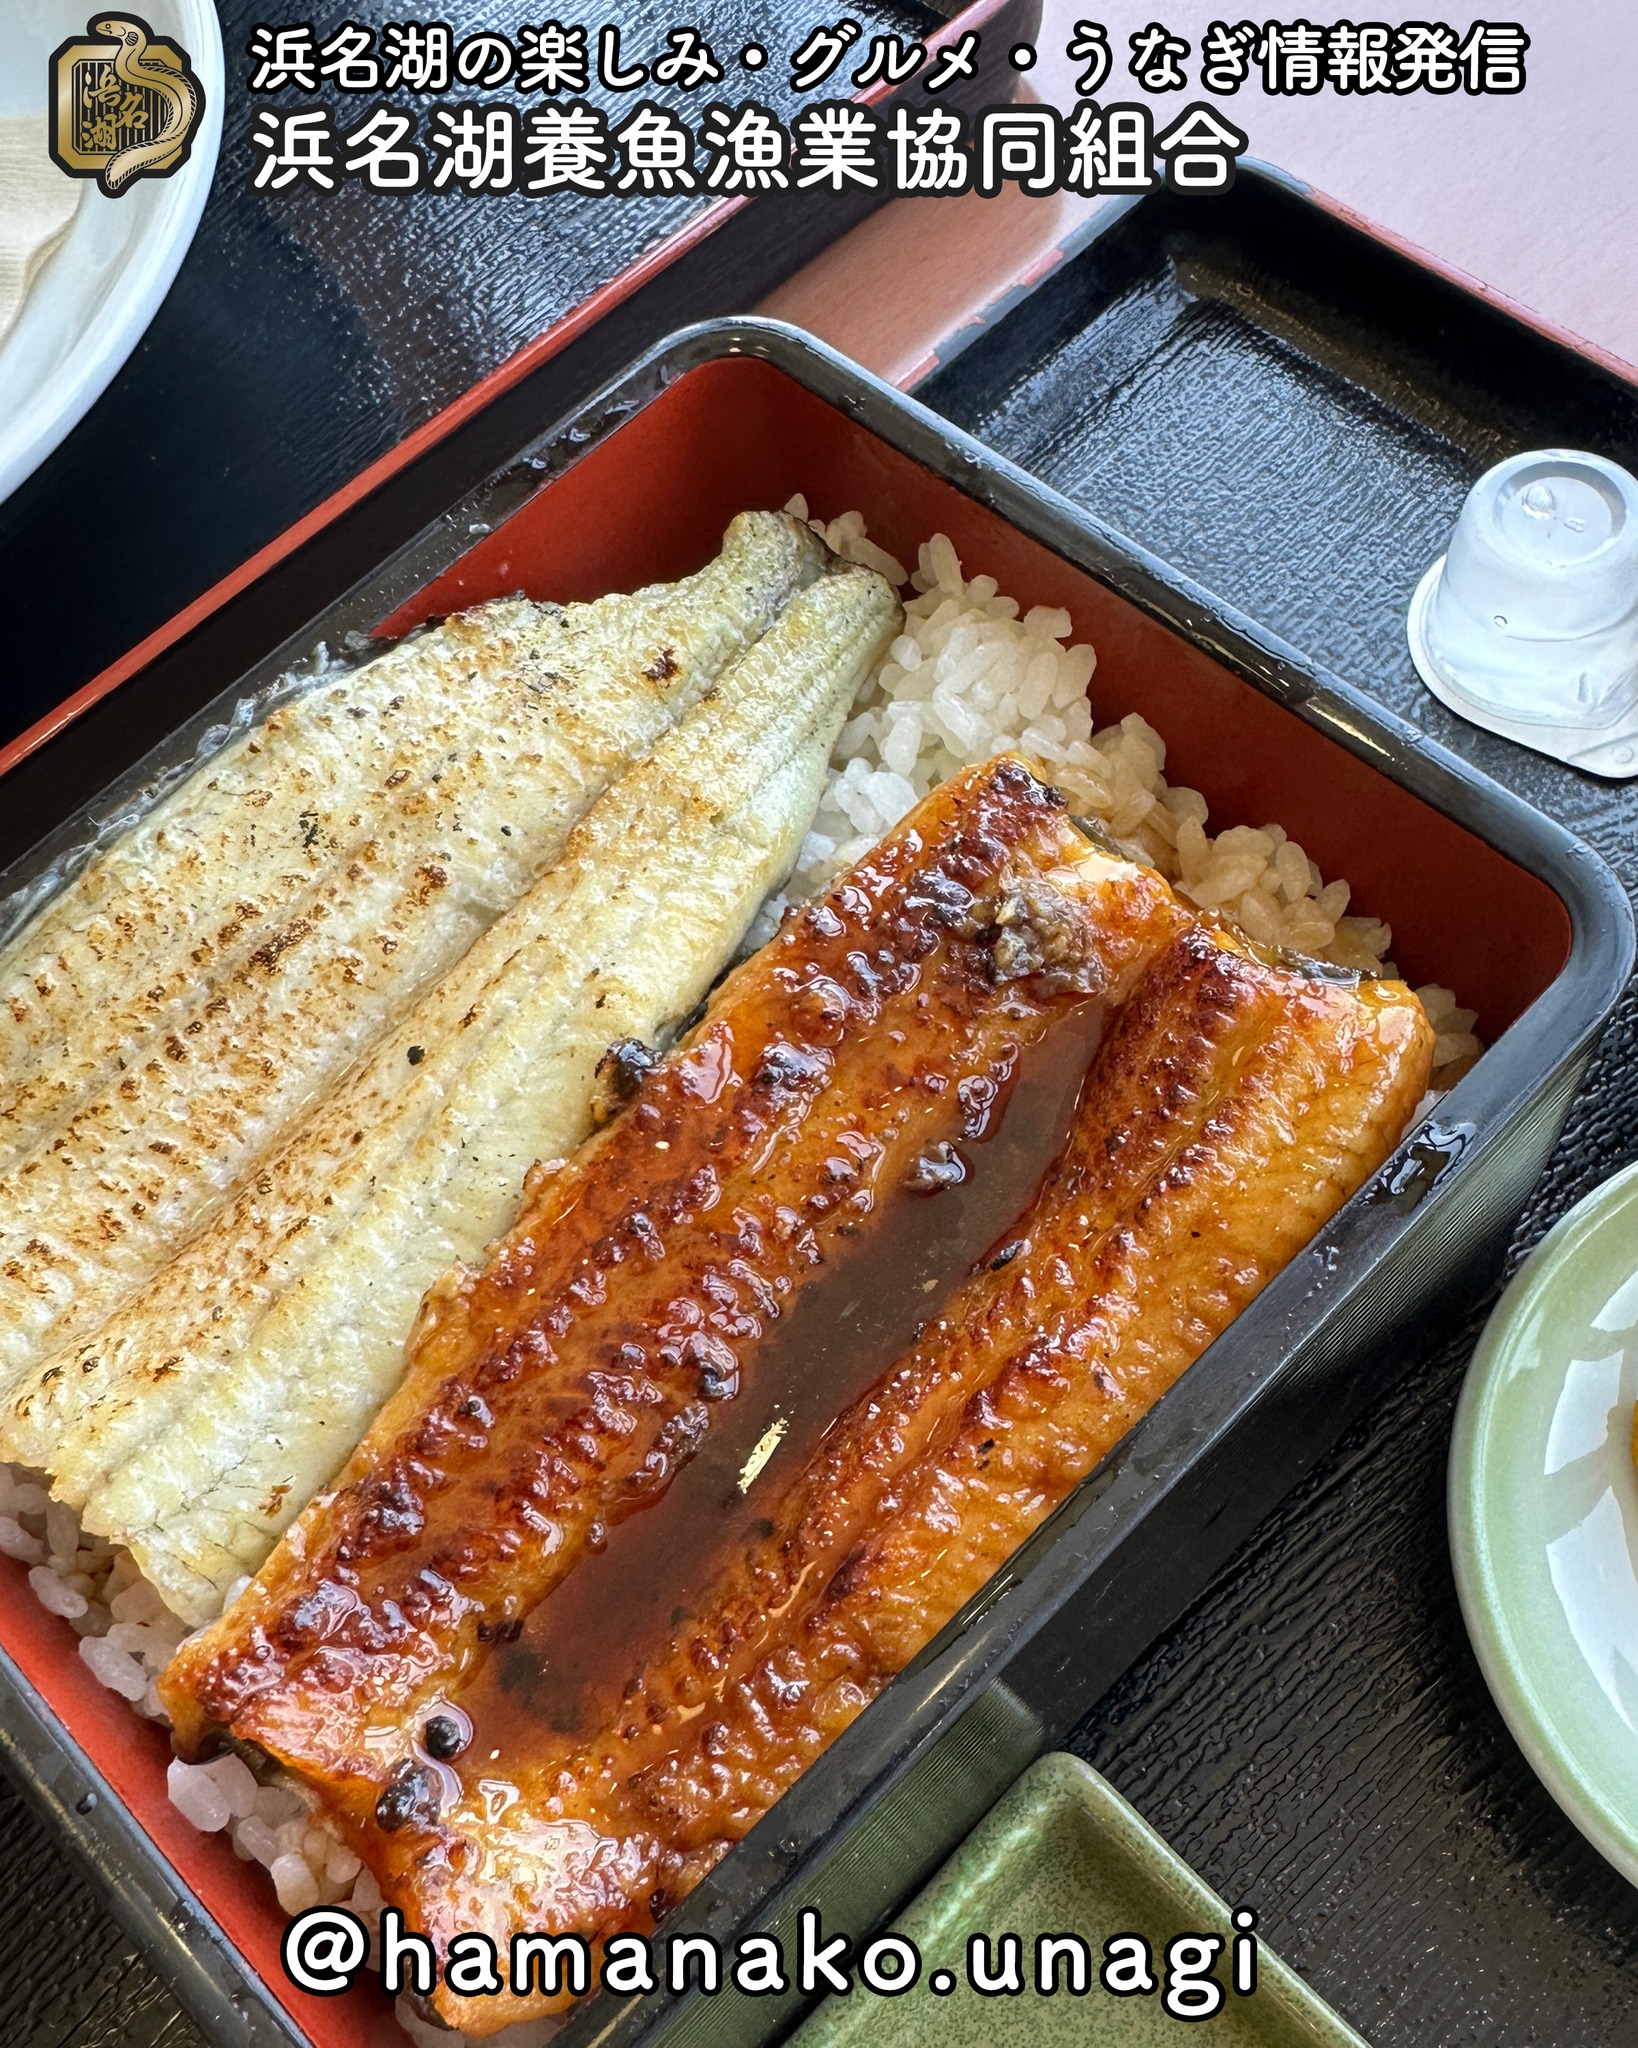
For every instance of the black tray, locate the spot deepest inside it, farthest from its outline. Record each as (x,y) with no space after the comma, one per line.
(1277,400)
(1142,1535)
(1290,405)
(1057,1675)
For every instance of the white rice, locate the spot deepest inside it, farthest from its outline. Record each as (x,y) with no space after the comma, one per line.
(969,677)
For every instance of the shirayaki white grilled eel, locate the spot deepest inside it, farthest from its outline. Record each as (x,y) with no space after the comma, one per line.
(175,1009)
(205,1413)
(505,1754)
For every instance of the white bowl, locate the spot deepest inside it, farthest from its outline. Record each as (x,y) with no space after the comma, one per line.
(93,299)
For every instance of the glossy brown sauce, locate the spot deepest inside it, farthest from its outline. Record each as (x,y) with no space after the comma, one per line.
(619,1605)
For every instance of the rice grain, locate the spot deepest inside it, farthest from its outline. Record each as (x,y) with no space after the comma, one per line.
(969,677)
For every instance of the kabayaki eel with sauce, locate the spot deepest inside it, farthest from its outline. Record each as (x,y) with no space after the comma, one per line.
(952,1181)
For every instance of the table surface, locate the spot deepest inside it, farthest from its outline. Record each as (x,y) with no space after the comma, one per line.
(1314,1735)
(1529,195)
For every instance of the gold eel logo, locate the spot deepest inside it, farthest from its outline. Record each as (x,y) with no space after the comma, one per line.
(124,103)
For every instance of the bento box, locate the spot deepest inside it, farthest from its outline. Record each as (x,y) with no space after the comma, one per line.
(1483,893)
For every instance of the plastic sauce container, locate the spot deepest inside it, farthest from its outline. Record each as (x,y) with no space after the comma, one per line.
(1528,625)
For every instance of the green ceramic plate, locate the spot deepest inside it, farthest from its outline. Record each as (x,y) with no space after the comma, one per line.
(1544,1514)
(1062,1852)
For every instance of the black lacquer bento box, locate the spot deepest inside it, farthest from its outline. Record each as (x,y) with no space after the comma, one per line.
(1483,893)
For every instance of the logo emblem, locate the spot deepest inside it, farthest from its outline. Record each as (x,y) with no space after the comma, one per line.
(124,103)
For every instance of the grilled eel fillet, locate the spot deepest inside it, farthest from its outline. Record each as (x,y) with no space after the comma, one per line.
(559,1388)
(207,1411)
(1230,1112)
(1231,1109)
(180,1003)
